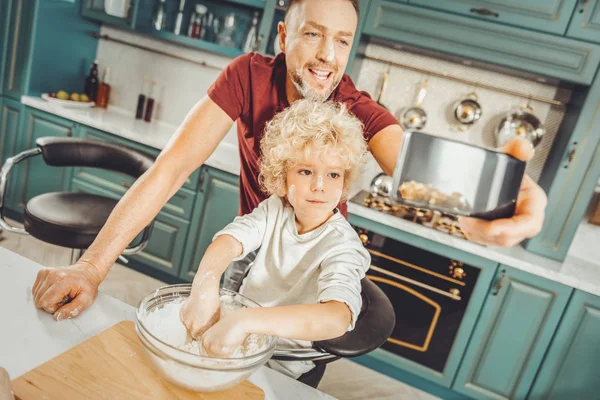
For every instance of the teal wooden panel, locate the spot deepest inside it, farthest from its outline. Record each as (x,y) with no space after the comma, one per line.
(18,46)
(353,68)
(4,24)
(488,270)
(570,369)
(511,336)
(570,184)
(35,177)
(167,241)
(11,115)
(585,24)
(520,49)
(550,16)
(216,206)
(117,179)
(60,58)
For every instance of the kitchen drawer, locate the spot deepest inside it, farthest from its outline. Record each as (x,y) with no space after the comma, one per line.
(164,251)
(91,133)
(511,47)
(550,16)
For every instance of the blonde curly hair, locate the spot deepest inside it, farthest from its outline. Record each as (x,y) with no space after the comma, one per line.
(291,136)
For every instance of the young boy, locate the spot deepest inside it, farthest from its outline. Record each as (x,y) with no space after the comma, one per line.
(307,271)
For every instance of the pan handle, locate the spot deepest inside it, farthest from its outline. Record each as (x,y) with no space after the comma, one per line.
(422,94)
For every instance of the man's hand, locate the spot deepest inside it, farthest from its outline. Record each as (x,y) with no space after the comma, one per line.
(201,311)
(529,214)
(225,336)
(65,292)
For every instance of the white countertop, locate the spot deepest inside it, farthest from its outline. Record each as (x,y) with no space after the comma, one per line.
(29,337)
(121,123)
(580,272)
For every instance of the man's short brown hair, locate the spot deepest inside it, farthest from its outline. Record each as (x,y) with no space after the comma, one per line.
(292,3)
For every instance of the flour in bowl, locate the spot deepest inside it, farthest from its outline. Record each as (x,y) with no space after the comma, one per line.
(165,323)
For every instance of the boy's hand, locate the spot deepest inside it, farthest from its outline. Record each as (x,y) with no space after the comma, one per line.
(200,311)
(225,336)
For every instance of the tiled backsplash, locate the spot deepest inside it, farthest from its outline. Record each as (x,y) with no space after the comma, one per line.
(443,94)
(183,83)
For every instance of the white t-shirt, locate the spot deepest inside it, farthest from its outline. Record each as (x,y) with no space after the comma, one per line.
(325,264)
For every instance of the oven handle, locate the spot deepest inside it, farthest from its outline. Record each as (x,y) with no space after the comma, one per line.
(416,283)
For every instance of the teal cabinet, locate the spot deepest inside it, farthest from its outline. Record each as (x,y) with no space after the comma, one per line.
(179,205)
(585,24)
(517,322)
(569,177)
(4,23)
(11,113)
(18,44)
(570,369)
(550,16)
(164,251)
(521,49)
(216,206)
(33,176)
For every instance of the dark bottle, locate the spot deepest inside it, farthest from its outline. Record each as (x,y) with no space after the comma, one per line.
(150,104)
(139,113)
(91,82)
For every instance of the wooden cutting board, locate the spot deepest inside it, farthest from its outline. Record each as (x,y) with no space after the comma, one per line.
(111,365)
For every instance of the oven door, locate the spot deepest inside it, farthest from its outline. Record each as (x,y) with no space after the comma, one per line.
(429,293)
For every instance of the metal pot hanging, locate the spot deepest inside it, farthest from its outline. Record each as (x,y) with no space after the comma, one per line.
(522,123)
(468,110)
(415,117)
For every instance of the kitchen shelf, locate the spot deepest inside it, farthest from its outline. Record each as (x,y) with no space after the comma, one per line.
(101,16)
(251,3)
(196,43)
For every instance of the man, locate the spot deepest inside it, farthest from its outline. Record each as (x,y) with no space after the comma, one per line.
(315,38)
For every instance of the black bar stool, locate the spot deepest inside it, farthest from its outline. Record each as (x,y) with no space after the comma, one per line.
(67,219)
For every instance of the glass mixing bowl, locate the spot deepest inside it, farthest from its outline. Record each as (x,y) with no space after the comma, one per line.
(192,371)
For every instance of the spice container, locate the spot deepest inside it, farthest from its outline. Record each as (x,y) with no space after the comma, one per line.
(104,90)
(150,103)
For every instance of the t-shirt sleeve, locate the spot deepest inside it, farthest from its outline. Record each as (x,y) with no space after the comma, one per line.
(248,229)
(229,91)
(339,280)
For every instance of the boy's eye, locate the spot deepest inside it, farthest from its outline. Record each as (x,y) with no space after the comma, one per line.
(334,175)
(305,172)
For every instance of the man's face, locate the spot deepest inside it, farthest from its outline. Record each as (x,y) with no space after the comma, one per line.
(317,41)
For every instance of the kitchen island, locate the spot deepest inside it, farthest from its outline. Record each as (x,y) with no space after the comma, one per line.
(29,337)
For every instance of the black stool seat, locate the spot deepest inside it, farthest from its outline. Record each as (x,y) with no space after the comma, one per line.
(67,219)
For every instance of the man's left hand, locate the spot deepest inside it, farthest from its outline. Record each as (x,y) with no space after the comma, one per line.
(529,214)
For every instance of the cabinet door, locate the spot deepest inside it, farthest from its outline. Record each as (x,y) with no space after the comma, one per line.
(217,205)
(570,369)
(541,15)
(18,43)
(585,23)
(5,6)
(516,48)
(164,251)
(35,177)
(10,120)
(515,327)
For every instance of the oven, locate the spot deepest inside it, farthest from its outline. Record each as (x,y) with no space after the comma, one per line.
(430,294)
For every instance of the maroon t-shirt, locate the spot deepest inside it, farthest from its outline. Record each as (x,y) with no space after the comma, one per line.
(251,90)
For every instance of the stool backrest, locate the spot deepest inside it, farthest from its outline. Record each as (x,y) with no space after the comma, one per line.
(75,152)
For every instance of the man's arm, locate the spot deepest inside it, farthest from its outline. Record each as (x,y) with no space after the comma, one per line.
(195,140)
(531,204)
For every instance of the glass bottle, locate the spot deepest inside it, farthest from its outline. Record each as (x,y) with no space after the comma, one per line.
(139,112)
(160,16)
(150,104)
(91,82)
(104,90)
(250,43)
(226,34)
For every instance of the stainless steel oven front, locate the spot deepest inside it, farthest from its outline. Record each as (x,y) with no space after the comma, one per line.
(429,292)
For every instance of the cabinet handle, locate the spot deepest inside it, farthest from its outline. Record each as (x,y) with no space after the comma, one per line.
(125,184)
(500,283)
(70,133)
(583,4)
(571,155)
(484,11)
(201,178)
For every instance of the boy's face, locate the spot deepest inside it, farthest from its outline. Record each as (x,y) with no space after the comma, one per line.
(317,41)
(315,185)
